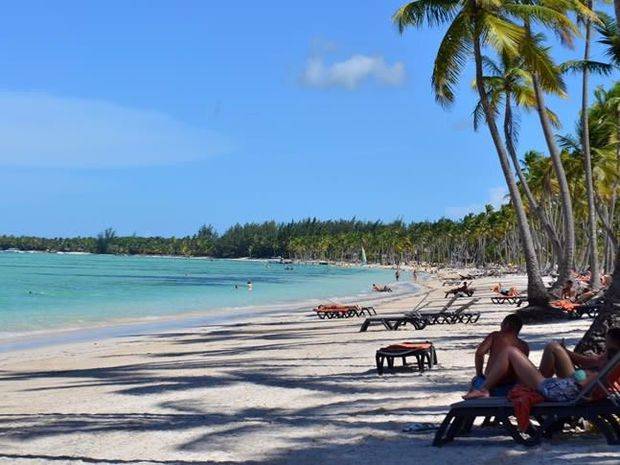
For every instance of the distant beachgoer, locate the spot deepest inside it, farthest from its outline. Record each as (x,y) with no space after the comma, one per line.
(415,275)
(397,274)
(381,288)
(250,286)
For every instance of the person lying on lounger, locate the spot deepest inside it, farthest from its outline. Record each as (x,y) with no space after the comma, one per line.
(381,288)
(557,379)
(493,344)
(464,289)
(512,292)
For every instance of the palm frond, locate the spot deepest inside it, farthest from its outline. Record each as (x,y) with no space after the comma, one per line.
(539,62)
(503,35)
(578,66)
(551,18)
(451,58)
(608,29)
(478,115)
(433,12)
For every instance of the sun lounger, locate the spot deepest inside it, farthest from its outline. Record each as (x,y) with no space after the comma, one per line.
(393,322)
(446,317)
(343,311)
(424,353)
(510,300)
(550,417)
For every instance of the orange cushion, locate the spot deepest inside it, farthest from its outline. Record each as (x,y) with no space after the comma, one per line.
(564,304)
(613,381)
(409,346)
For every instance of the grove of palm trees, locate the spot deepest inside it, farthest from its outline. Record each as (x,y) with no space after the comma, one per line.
(575,199)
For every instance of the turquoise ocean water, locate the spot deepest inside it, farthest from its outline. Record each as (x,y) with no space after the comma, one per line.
(44,291)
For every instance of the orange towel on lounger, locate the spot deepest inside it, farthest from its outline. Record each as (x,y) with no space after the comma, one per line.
(523,398)
(409,346)
(564,304)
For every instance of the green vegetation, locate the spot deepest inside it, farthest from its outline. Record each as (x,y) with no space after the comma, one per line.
(514,68)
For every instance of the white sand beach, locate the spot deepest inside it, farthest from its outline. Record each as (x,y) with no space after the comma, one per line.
(280,389)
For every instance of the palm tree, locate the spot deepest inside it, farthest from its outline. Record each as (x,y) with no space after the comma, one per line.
(586,66)
(508,82)
(474,25)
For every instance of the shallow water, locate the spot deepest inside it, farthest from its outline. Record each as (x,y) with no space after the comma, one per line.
(42,291)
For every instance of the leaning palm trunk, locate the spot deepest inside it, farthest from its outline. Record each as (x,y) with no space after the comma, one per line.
(587,161)
(567,206)
(552,235)
(537,294)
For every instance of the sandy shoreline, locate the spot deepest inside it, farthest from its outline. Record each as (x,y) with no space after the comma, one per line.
(280,388)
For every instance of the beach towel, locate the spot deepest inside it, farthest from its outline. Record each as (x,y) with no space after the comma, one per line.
(564,304)
(409,346)
(523,398)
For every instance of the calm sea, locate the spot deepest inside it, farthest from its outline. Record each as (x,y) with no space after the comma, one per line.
(40,291)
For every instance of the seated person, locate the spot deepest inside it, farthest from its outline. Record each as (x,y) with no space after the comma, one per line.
(464,289)
(606,280)
(568,291)
(492,345)
(381,288)
(567,383)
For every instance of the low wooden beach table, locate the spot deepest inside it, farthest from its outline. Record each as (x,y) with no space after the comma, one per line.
(424,353)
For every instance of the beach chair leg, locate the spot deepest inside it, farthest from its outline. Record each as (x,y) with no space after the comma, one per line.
(379,361)
(456,427)
(605,428)
(614,422)
(364,326)
(390,362)
(440,436)
(530,438)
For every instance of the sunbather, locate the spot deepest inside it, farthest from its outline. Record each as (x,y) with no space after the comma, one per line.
(464,289)
(568,291)
(494,344)
(381,288)
(512,292)
(567,383)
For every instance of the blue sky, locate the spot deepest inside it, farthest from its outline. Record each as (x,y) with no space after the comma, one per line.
(155,117)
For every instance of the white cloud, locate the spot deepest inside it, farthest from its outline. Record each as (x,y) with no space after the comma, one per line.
(351,72)
(40,130)
(496,198)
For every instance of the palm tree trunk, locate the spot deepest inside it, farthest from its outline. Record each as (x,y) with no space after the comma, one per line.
(587,160)
(537,294)
(558,167)
(508,135)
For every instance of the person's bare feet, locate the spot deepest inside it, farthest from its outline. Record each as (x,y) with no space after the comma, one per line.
(477,394)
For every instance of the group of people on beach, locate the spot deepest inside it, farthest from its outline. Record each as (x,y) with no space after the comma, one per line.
(560,377)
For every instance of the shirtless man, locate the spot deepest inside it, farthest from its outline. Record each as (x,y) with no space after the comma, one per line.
(493,344)
(567,383)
